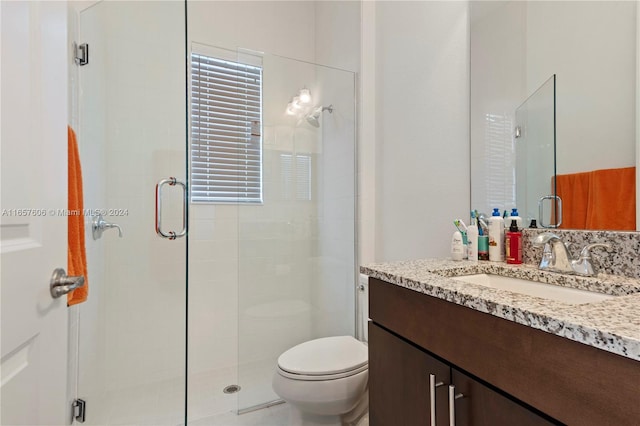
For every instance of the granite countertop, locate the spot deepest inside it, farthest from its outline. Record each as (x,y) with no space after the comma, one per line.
(612,325)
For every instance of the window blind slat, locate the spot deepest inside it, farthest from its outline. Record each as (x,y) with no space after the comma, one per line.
(226,147)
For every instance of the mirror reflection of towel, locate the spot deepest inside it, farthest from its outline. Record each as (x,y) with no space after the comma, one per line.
(76,253)
(600,199)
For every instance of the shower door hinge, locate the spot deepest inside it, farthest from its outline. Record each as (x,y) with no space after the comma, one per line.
(79,410)
(518,132)
(81,53)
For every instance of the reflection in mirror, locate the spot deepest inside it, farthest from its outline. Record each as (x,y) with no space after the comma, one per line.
(515,47)
(535,156)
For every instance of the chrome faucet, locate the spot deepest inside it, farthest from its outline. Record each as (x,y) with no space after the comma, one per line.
(99,225)
(557,258)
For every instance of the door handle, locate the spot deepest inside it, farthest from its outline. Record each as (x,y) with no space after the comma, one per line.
(62,284)
(170,234)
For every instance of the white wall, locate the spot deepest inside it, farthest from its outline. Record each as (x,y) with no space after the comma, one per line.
(422,95)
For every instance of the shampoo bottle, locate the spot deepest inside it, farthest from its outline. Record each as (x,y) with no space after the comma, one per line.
(513,244)
(496,237)
(472,239)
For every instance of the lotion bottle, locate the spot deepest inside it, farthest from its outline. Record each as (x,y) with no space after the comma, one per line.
(496,237)
(457,248)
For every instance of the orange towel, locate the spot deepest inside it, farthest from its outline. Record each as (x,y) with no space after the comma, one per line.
(600,199)
(612,200)
(573,189)
(76,253)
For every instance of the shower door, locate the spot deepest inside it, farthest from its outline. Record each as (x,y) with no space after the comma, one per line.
(128,339)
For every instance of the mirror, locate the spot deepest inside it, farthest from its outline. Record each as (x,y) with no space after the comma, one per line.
(515,47)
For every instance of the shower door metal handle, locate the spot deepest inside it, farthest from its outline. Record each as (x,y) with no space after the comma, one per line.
(558,202)
(170,234)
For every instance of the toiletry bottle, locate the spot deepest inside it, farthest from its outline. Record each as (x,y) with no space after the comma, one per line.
(513,244)
(515,216)
(472,239)
(533,224)
(465,245)
(457,248)
(483,247)
(496,237)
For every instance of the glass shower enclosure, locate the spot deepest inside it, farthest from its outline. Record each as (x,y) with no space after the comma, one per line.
(180,330)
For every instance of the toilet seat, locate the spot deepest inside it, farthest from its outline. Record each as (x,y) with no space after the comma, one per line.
(328,358)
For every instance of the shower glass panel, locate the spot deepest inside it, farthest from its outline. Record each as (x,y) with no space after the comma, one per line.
(131,128)
(296,250)
(535,155)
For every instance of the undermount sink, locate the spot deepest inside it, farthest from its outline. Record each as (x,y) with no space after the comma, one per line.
(532,288)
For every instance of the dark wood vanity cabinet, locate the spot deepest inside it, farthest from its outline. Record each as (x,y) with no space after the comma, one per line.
(508,374)
(401,395)
(399,391)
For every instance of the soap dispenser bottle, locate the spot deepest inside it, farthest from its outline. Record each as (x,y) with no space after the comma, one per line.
(496,236)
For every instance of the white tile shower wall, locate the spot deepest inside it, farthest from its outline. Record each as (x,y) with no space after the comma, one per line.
(422,102)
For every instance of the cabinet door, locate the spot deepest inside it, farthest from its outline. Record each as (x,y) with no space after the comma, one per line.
(481,406)
(399,389)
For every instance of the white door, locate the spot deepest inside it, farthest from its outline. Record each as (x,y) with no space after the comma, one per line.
(33,234)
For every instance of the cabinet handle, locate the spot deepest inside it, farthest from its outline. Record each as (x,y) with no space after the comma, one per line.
(452,404)
(432,396)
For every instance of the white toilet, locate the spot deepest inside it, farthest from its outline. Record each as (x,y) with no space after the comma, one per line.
(325,381)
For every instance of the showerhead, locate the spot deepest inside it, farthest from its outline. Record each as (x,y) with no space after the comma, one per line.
(314,117)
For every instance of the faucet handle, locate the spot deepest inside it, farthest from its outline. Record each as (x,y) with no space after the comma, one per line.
(583,265)
(585,253)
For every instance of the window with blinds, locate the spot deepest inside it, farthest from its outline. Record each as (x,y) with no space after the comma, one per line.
(226,141)
(295,171)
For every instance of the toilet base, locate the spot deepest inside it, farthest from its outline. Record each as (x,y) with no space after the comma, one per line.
(301,418)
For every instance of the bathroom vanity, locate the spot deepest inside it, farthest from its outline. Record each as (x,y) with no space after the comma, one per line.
(485,356)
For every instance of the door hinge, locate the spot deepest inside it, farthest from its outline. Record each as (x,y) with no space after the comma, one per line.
(80,410)
(81,53)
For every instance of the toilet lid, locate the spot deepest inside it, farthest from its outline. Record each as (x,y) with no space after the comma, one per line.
(329,355)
